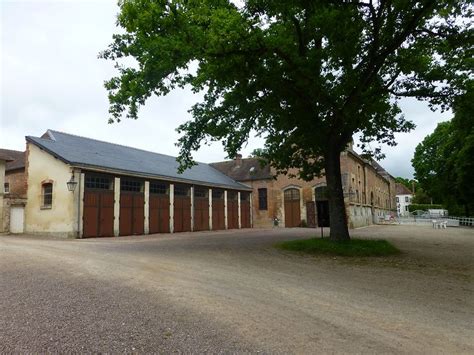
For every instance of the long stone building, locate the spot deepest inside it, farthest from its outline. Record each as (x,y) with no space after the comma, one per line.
(81,187)
(290,202)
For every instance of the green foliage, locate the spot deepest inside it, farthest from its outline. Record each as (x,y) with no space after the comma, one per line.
(354,247)
(421,197)
(304,75)
(423,207)
(444,163)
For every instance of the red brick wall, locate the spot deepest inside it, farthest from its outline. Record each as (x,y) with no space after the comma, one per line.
(17,181)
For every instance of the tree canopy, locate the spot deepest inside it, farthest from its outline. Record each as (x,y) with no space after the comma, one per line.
(304,74)
(444,160)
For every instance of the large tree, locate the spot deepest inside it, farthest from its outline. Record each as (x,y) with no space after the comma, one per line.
(304,74)
(444,160)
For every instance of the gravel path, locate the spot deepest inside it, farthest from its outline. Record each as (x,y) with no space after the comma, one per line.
(233,292)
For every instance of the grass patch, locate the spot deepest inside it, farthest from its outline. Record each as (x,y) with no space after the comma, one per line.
(354,247)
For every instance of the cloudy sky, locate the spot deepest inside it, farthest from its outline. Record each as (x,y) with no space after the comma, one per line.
(51,78)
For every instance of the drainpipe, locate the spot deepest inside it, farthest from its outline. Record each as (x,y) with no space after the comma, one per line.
(79,207)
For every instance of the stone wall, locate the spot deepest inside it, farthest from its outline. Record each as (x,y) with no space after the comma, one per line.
(17,182)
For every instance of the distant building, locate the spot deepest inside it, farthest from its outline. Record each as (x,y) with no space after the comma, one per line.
(404,197)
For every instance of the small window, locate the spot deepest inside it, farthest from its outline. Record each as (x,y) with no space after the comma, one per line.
(98,182)
(47,194)
(158,188)
(321,193)
(231,195)
(131,185)
(398,199)
(217,194)
(6,188)
(181,190)
(406,208)
(200,192)
(292,195)
(406,199)
(262,199)
(244,196)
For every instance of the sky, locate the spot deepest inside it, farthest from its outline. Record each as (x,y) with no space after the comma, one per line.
(51,78)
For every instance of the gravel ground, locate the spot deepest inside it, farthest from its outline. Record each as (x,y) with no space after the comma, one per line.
(232,291)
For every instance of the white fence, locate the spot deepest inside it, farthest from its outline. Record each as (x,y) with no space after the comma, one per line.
(429,221)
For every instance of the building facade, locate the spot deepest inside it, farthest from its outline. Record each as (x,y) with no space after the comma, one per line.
(404,199)
(80,187)
(290,202)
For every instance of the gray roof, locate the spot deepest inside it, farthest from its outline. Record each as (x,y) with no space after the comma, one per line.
(91,153)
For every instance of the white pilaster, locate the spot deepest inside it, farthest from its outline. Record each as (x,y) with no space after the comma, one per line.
(192,208)
(210,209)
(116,206)
(238,209)
(171,208)
(81,204)
(225,209)
(146,225)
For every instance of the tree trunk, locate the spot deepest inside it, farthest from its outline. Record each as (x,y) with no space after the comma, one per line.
(337,209)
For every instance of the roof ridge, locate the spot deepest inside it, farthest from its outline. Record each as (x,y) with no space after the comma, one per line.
(117,144)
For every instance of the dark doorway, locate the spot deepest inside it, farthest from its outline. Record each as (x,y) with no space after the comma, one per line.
(322,208)
(322,205)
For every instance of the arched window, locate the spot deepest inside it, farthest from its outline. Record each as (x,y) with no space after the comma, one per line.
(47,195)
(292,194)
(321,193)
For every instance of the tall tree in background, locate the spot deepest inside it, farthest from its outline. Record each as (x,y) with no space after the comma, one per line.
(444,161)
(304,74)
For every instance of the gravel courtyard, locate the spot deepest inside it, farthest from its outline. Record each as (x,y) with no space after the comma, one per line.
(232,291)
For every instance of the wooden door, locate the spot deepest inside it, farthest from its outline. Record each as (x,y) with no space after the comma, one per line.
(245,210)
(132,213)
(201,209)
(182,208)
(292,208)
(98,216)
(232,210)
(159,213)
(218,221)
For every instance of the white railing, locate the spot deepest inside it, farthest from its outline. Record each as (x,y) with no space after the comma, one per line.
(426,220)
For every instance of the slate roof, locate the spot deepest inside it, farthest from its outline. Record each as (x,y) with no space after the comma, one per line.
(90,153)
(402,189)
(244,169)
(16,159)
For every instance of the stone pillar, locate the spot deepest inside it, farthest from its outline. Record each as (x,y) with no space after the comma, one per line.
(225,209)
(239,213)
(251,209)
(171,208)
(116,206)
(210,209)
(146,222)
(192,208)
(81,187)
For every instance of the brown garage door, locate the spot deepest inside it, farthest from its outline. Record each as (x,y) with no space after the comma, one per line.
(159,208)
(245,209)
(98,217)
(232,210)
(292,208)
(201,208)
(132,207)
(182,208)
(218,222)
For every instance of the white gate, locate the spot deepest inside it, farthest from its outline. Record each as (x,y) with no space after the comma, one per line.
(17,219)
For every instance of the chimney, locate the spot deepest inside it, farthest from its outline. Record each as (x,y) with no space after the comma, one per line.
(238,159)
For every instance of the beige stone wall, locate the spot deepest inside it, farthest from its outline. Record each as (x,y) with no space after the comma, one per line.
(359,178)
(2,182)
(17,181)
(62,218)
